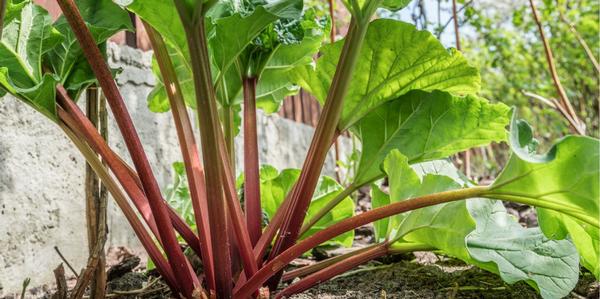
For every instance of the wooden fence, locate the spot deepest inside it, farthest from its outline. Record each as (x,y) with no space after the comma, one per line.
(300,108)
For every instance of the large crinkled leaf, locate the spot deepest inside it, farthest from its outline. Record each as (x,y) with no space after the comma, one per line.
(482,233)
(235,32)
(27,35)
(230,30)
(565,180)
(411,176)
(275,186)
(427,126)
(281,47)
(519,253)
(104,18)
(395,59)
(274,83)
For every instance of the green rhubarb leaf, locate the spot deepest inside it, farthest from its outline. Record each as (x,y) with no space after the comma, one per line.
(244,39)
(279,48)
(427,126)
(482,233)
(405,184)
(521,254)
(233,33)
(27,35)
(104,19)
(442,226)
(395,59)
(564,186)
(230,31)
(393,5)
(274,83)
(275,186)
(41,96)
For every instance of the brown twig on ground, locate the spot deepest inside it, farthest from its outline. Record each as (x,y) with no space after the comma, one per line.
(92,264)
(576,124)
(146,290)
(62,257)
(61,283)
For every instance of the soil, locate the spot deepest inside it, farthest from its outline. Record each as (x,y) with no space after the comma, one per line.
(418,275)
(449,279)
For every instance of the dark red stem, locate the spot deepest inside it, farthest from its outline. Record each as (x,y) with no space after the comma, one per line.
(145,238)
(189,150)
(160,211)
(251,164)
(302,192)
(209,133)
(280,261)
(310,269)
(236,214)
(75,118)
(334,270)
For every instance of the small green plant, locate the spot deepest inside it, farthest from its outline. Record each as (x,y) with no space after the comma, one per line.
(410,101)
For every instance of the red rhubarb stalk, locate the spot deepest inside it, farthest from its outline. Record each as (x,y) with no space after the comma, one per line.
(161,263)
(280,261)
(302,192)
(336,269)
(126,176)
(189,150)
(188,280)
(209,133)
(236,215)
(251,164)
(310,269)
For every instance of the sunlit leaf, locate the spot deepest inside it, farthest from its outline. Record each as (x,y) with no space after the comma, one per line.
(395,59)
(482,233)
(427,126)
(27,35)
(104,19)
(567,179)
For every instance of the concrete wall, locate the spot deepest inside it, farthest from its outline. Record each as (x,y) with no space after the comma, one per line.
(41,175)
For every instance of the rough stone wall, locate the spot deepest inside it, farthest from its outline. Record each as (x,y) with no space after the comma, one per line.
(41,175)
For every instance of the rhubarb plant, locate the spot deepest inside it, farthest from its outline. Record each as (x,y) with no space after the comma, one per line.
(411,102)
